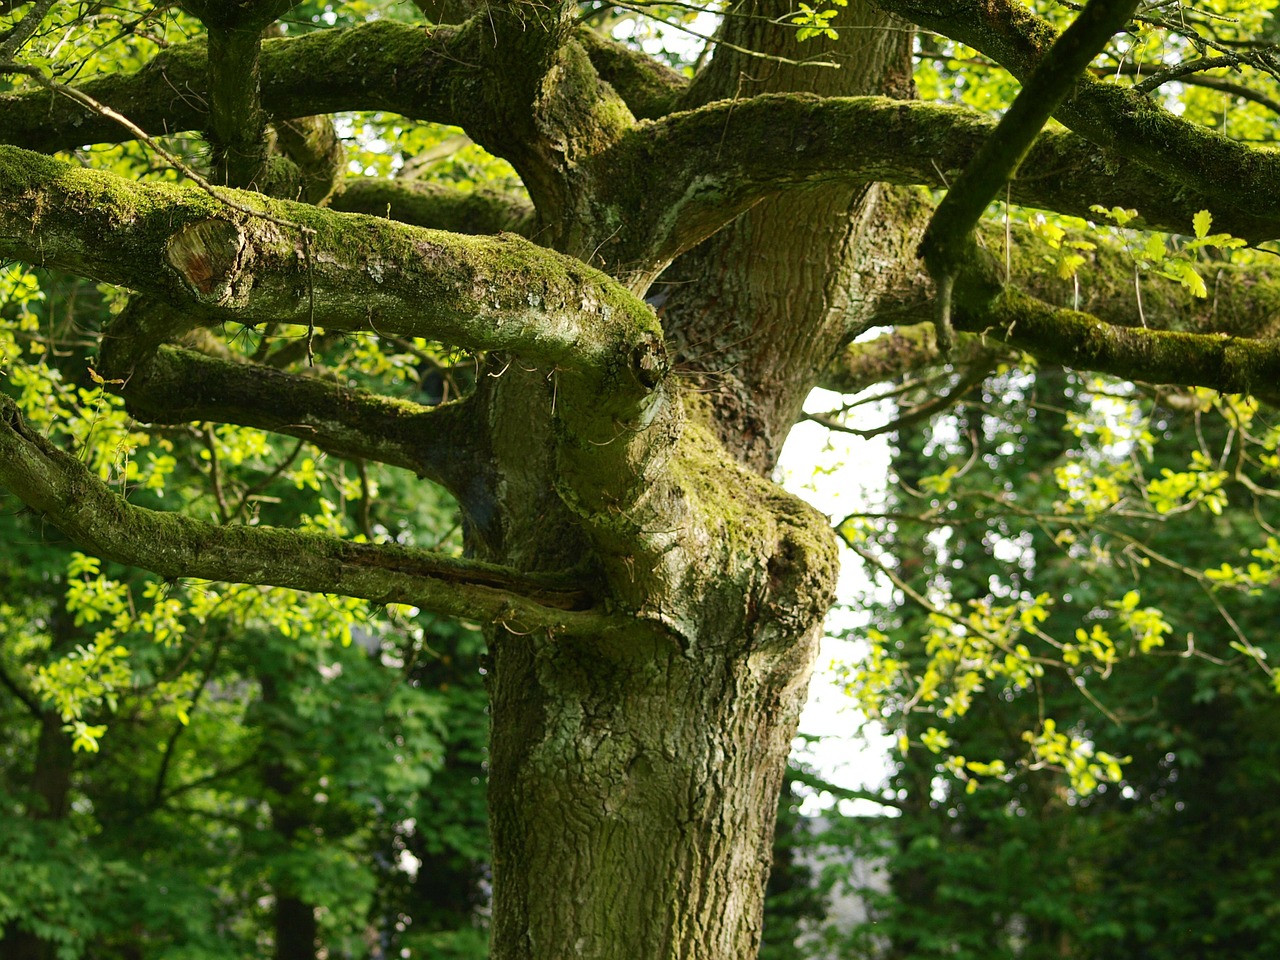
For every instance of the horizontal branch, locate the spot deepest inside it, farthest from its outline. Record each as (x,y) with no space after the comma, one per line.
(681,178)
(182,386)
(1242,303)
(419,72)
(67,494)
(210,259)
(904,350)
(436,206)
(1080,340)
(1225,172)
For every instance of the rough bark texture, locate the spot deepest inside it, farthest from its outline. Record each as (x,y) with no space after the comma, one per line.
(765,301)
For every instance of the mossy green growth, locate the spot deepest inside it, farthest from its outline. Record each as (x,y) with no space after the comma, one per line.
(744,508)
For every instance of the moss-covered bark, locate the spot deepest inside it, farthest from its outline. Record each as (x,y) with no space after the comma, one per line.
(1122,120)
(217,262)
(420,72)
(1073,339)
(182,386)
(436,206)
(61,488)
(650,89)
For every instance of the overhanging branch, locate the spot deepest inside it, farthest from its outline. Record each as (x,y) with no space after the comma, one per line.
(422,73)
(354,273)
(180,386)
(60,488)
(1080,340)
(682,178)
(1123,120)
(949,237)
(436,206)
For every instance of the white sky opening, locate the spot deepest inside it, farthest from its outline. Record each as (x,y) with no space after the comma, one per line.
(841,474)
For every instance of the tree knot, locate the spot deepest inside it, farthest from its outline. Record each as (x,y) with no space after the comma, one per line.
(649,361)
(208,256)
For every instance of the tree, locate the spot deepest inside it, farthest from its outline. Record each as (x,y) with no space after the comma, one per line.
(250,757)
(1021,864)
(693,256)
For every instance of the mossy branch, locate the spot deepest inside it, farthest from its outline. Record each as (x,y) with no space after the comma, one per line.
(181,386)
(422,73)
(66,493)
(1123,120)
(314,146)
(237,127)
(949,235)
(1080,340)
(679,179)
(649,88)
(358,273)
(436,206)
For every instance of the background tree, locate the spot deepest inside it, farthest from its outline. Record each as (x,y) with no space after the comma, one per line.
(1022,864)
(701,252)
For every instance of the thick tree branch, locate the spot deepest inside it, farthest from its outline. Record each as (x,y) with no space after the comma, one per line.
(1226,364)
(1243,302)
(649,88)
(679,179)
(1122,120)
(722,158)
(354,273)
(436,206)
(313,144)
(180,386)
(238,125)
(899,352)
(60,488)
(424,74)
(949,235)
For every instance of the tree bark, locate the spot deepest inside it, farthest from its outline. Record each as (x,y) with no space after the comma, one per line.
(50,791)
(765,301)
(652,602)
(680,741)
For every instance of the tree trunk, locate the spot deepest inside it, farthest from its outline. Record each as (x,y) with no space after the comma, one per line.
(681,742)
(294,918)
(762,304)
(50,794)
(682,753)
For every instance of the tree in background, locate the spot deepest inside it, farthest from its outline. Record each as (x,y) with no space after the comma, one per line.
(262,772)
(683,256)
(987,855)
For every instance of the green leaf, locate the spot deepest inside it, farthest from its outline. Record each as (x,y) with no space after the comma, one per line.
(1201,223)
(1185,274)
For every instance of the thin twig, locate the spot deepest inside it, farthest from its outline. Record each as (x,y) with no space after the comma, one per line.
(102,109)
